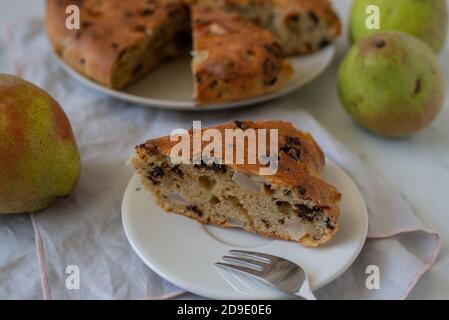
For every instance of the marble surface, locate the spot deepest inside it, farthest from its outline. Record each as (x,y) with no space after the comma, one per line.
(417,167)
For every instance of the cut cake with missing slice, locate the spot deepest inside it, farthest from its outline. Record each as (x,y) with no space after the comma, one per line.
(118,41)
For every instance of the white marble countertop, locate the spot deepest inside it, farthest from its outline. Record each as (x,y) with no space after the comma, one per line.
(417,167)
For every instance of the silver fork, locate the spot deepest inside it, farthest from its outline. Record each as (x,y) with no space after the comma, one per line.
(278,272)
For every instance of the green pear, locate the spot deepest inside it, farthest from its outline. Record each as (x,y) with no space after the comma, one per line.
(424,19)
(391,84)
(39,159)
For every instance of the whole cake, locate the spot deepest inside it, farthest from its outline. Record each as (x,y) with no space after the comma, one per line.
(293,204)
(119,42)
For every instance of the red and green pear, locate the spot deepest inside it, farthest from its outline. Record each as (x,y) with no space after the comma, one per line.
(39,159)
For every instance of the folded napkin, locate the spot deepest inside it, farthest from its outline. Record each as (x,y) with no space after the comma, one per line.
(86,229)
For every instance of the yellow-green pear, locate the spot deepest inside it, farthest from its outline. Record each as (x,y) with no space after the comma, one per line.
(392,84)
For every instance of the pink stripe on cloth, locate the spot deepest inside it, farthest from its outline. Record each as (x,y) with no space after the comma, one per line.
(37,236)
(429,263)
(40,258)
(423,270)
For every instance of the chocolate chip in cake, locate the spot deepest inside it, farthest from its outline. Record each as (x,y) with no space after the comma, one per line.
(114,45)
(199,79)
(295,153)
(240,124)
(270,67)
(302,190)
(294,18)
(82,61)
(323,43)
(274,48)
(281,221)
(147,12)
(137,69)
(154,181)
(217,168)
(329,224)
(292,147)
(292,140)
(195,210)
(178,172)
(156,172)
(151,148)
(250,53)
(271,82)
(213,84)
(314,17)
(306,212)
(270,70)
(266,223)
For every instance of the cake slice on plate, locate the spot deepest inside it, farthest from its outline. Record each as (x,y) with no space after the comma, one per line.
(293,204)
(234,59)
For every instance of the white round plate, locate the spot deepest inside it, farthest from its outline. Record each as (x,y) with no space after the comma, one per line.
(183,251)
(170,86)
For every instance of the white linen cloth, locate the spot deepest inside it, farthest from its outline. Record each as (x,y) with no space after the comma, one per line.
(86,230)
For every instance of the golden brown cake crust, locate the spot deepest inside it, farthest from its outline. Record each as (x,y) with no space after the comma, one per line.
(108,29)
(281,16)
(234,59)
(298,171)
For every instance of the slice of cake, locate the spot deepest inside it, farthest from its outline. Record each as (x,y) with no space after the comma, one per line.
(233,58)
(118,41)
(302,26)
(293,204)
